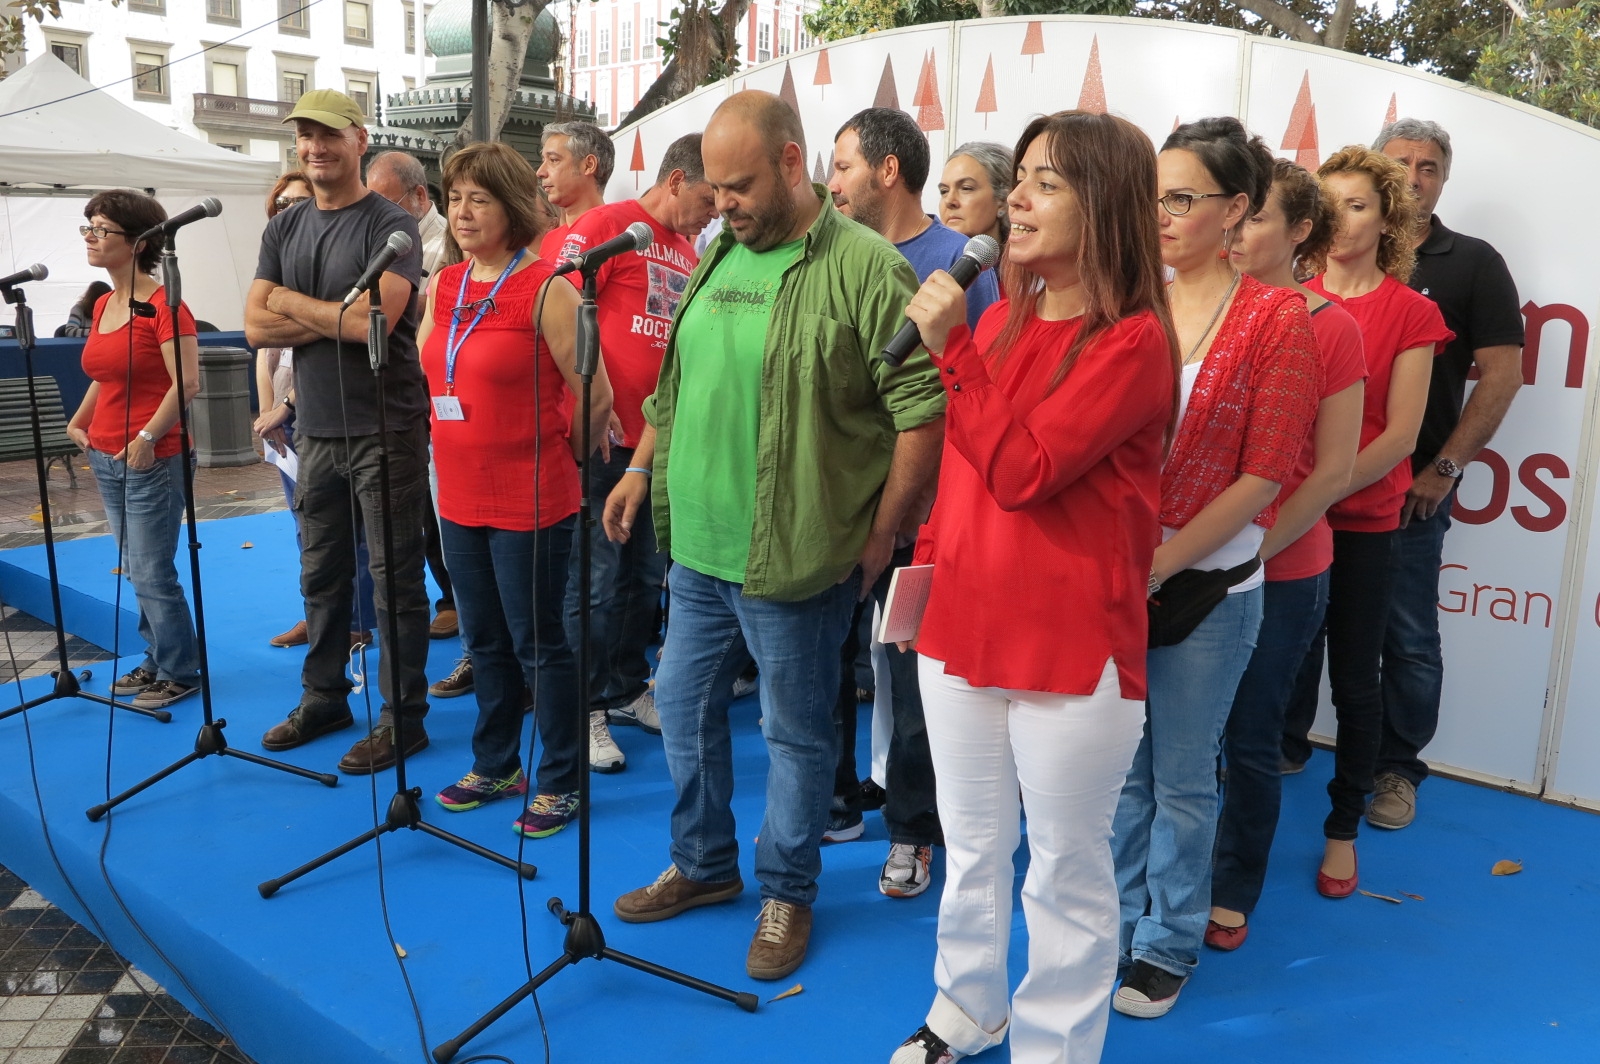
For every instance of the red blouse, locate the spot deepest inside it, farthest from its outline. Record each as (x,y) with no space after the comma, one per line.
(512,444)
(1253,403)
(1393,319)
(1343,364)
(1045,521)
(129,395)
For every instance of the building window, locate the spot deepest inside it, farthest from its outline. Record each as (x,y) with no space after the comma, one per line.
(153,7)
(784,41)
(582,59)
(647,50)
(291,158)
(359,89)
(72,53)
(223,11)
(625,46)
(225,79)
(410,84)
(357,22)
(294,17)
(763,42)
(604,55)
(411,28)
(150,72)
(231,147)
(294,77)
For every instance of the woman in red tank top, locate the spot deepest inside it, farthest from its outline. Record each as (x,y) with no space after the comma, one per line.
(497,348)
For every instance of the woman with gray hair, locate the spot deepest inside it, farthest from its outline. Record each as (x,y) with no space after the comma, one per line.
(973,188)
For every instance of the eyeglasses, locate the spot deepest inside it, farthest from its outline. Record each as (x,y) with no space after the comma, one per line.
(283,203)
(99,232)
(470,310)
(1178,203)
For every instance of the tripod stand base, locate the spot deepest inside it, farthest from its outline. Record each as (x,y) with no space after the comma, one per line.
(69,684)
(209,741)
(404,813)
(586,940)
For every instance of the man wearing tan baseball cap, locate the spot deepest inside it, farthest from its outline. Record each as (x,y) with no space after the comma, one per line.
(311,256)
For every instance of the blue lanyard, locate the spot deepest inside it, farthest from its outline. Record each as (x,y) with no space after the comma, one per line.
(452,346)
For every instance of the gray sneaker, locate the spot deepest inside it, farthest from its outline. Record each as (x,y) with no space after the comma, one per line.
(1394,802)
(641,713)
(604,753)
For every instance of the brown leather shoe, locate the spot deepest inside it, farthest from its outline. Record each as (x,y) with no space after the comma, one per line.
(671,894)
(459,682)
(444,625)
(294,637)
(782,933)
(306,723)
(376,752)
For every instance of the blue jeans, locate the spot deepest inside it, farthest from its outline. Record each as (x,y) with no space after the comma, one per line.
(1291,615)
(151,500)
(624,595)
(715,629)
(508,588)
(1166,818)
(1413,661)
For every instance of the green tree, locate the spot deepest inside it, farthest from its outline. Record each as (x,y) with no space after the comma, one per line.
(1550,58)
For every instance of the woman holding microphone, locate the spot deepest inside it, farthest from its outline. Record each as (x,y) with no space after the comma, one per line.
(1033,640)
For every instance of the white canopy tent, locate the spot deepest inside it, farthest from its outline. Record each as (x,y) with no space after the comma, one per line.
(58,147)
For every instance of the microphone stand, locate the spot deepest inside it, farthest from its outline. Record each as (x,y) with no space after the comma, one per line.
(67,683)
(405,811)
(584,938)
(210,739)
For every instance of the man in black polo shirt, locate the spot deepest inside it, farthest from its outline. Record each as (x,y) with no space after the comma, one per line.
(1469,281)
(311,255)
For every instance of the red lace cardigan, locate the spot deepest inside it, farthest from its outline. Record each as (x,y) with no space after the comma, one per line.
(1253,403)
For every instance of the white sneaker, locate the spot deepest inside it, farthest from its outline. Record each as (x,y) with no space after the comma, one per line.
(604,754)
(925,1047)
(905,874)
(743,687)
(641,712)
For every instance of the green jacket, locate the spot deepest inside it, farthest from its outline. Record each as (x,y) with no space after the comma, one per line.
(830,407)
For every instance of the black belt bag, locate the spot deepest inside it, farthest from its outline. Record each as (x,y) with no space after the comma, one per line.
(1189,597)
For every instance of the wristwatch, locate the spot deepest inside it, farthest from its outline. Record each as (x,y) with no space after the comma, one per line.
(144,434)
(1446,468)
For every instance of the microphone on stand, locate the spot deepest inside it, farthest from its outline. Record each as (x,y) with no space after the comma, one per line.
(37,272)
(397,244)
(636,237)
(981,253)
(209,207)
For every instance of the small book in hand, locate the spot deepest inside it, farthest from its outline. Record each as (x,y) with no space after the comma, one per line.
(908,597)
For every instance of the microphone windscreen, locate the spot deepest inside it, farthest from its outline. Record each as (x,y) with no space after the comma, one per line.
(39,271)
(642,235)
(985,249)
(212,205)
(400,242)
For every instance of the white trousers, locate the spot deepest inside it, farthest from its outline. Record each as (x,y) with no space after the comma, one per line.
(1069,754)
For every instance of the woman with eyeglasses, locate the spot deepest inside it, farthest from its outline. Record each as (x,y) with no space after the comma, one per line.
(1297,224)
(1402,331)
(973,188)
(1250,384)
(128,426)
(275,426)
(497,348)
(1032,643)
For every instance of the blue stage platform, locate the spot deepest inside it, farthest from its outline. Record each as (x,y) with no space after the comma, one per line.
(1484,969)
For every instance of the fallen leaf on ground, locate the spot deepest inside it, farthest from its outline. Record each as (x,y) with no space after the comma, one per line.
(1413,897)
(1382,897)
(247,545)
(117,571)
(791,992)
(400,951)
(1506,868)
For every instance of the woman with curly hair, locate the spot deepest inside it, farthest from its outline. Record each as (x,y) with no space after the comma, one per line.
(1365,270)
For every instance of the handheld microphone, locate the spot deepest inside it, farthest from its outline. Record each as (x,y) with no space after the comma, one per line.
(397,244)
(981,253)
(36,272)
(636,237)
(209,207)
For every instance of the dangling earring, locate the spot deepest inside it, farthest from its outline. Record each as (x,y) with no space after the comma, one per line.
(1227,244)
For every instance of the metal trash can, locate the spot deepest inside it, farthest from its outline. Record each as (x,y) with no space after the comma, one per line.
(220,416)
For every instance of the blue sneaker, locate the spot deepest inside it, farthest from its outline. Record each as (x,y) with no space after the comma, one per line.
(547,814)
(473,790)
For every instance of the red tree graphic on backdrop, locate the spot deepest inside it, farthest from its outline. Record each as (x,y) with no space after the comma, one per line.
(986,101)
(1092,97)
(886,95)
(930,112)
(1393,112)
(786,93)
(817,175)
(1301,136)
(824,74)
(637,165)
(1033,42)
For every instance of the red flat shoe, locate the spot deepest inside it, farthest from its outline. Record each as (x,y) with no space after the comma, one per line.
(1226,939)
(1329,887)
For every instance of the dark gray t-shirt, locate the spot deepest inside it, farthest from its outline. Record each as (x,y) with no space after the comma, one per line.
(322,254)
